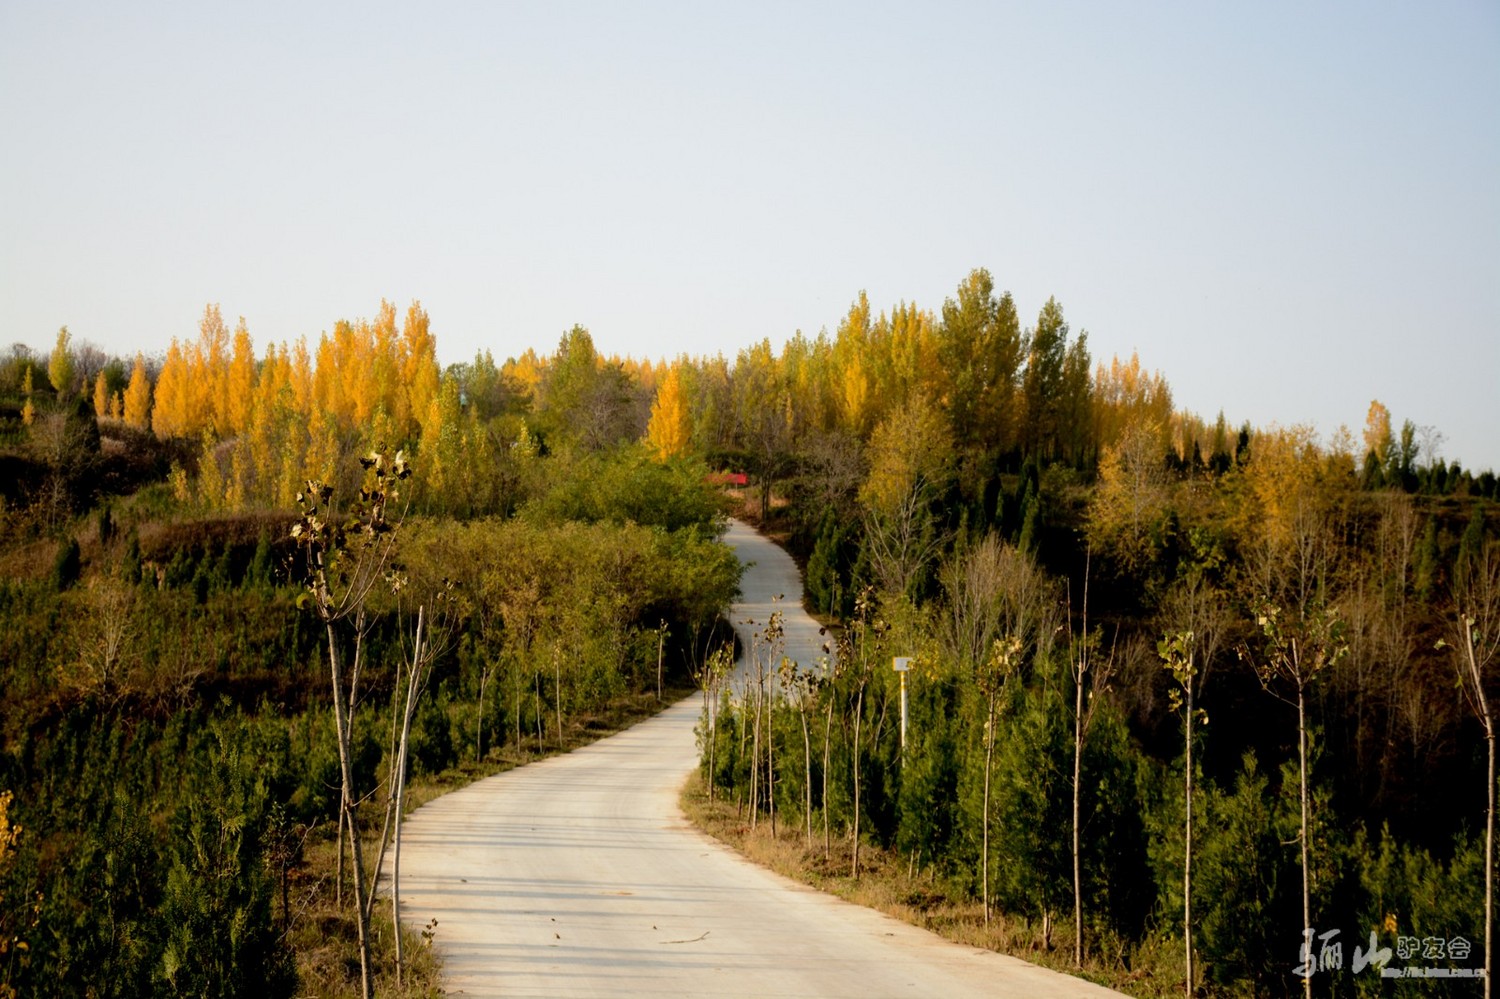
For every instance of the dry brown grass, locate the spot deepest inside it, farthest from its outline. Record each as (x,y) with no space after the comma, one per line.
(325,938)
(890,884)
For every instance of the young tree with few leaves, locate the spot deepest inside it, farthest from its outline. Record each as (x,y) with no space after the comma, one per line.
(857,669)
(1476,646)
(1177,654)
(1295,654)
(718,665)
(347,553)
(802,686)
(993,674)
(433,636)
(1090,681)
(1197,618)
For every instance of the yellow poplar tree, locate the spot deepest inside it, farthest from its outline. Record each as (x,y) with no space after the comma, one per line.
(1125,396)
(1378,431)
(852,369)
(60,364)
(321,459)
(327,388)
(210,367)
(290,476)
(525,372)
(211,483)
(384,378)
(300,377)
(28,411)
(239,385)
(436,432)
(138,396)
(419,370)
(1125,518)
(101,396)
(670,428)
(914,354)
(242,484)
(355,371)
(169,417)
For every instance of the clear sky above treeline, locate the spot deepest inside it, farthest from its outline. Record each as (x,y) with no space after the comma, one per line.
(1289,209)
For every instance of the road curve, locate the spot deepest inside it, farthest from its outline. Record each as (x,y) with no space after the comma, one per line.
(578,876)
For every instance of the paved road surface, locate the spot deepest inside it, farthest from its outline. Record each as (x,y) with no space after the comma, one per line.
(578,876)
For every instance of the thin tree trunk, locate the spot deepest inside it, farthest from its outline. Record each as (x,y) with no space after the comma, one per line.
(484,675)
(1483,704)
(390,795)
(827,756)
(771,758)
(385,831)
(1489,853)
(1187,850)
(557,679)
(859,710)
(989,752)
(709,705)
(348,804)
(540,714)
(1077,790)
(413,691)
(807,783)
(1306,883)
(755,760)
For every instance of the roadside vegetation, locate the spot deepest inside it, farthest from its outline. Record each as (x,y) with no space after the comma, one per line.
(179,789)
(1177,689)
(1192,708)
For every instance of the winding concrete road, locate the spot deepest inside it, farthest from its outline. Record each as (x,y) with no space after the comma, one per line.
(578,876)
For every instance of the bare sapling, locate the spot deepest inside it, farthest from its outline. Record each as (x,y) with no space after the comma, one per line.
(432,638)
(718,665)
(1295,655)
(995,673)
(1176,651)
(1090,681)
(346,554)
(1476,645)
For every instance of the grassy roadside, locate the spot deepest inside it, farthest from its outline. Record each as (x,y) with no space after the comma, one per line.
(889,883)
(323,934)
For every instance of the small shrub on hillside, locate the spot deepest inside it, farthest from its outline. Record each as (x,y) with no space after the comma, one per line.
(67,566)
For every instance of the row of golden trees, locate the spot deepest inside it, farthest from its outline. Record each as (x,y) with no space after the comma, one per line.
(270,421)
(1004,388)
(1003,392)
(1029,389)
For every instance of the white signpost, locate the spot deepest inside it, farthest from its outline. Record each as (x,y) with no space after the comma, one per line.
(901,664)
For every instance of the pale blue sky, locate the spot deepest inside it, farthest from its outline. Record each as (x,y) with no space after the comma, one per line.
(1289,209)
